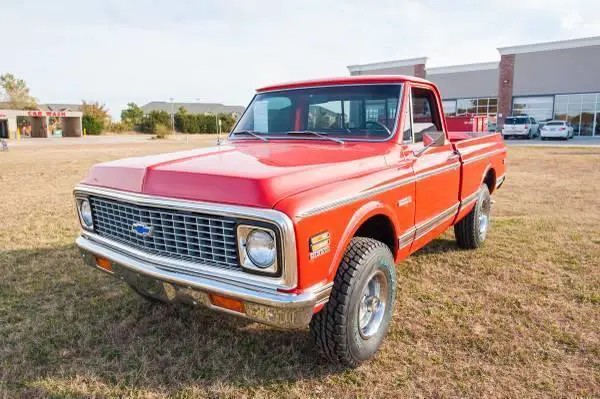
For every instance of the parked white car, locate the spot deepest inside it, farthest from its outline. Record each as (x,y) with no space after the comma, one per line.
(520,126)
(557,129)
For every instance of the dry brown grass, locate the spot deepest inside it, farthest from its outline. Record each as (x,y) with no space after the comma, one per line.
(518,318)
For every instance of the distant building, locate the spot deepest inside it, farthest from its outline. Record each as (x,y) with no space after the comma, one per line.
(60,107)
(554,80)
(194,108)
(41,122)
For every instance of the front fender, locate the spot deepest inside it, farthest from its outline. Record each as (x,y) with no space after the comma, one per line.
(362,214)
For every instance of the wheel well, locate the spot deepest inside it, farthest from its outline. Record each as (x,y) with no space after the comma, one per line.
(490,180)
(380,228)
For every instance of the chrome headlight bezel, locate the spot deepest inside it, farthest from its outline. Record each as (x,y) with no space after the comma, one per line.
(243,233)
(86,220)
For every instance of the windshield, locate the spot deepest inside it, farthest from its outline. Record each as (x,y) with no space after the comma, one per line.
(516,121)
(347,112)
(555,124)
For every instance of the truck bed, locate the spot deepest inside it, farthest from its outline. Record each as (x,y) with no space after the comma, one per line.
(479,152)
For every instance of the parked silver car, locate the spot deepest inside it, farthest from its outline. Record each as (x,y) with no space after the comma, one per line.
(557,129)
(520,126)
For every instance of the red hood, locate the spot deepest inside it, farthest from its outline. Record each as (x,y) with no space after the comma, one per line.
(250,173)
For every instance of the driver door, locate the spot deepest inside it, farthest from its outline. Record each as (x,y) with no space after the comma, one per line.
(436,166)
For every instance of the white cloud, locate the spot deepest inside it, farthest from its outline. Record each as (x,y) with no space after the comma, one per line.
(120,51)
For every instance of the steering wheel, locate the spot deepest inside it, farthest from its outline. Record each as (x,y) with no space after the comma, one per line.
(379,124)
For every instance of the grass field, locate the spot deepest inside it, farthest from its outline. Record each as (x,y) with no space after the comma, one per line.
(518,318)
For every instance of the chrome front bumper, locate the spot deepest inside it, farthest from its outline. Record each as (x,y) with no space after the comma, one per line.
(266,306)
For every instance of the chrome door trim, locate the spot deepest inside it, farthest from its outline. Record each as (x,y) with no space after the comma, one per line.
(437,171)
(289,275)
(469,199)
(406,238)
(327,206)
(430,224)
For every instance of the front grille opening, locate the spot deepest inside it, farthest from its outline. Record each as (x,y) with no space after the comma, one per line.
(194,237)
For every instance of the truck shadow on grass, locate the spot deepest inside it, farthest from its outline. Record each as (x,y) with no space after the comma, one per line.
(438,246)
(61,321)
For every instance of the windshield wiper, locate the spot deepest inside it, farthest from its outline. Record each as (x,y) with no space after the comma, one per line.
(251,133)
(321,135)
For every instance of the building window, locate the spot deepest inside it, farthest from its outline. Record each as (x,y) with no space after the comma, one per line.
(477,106)
(582,110)
(449,107)
(538,107)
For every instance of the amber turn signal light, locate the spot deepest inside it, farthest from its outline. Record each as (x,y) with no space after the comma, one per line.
(227,303)
(104,263)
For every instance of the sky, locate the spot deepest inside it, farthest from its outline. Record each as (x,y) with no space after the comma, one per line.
(117,51)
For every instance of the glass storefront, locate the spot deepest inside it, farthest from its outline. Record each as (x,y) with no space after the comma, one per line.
(449,107)
(538,107)
(472,106)
(582,110)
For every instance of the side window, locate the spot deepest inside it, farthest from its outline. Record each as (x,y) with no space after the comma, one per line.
(425,115)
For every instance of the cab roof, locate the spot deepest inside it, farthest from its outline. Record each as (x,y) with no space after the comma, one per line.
(345,80)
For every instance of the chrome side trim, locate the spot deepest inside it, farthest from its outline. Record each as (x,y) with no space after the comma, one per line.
(469,199)
(289,275)
(500,181)
(373,191)
(483,156)
(437,171)
(271,307)
(430,224)
(355,197)
(406,238)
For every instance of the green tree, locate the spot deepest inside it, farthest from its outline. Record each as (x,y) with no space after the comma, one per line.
(182,120)
(153,119)
(16,93)
(95,117)
(132,115)
(91,124)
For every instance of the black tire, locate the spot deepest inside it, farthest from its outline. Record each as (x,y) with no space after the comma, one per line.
(469,231)
(336,328)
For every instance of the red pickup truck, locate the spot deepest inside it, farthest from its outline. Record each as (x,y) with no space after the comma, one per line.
(302,215)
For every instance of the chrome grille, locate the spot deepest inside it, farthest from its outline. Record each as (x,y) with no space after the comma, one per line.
(195,237)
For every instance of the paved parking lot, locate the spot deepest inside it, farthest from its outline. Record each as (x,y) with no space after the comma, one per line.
(574,142)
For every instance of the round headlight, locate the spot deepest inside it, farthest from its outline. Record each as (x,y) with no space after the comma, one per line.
(260,247)
(85,210)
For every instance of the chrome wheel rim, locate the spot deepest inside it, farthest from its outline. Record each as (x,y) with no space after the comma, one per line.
(373,303)
(484,218)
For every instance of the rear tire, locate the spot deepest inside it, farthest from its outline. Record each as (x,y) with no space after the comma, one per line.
(351,326)
(471,231)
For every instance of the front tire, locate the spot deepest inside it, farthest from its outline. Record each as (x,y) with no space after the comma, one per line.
(472,230)
(351,326)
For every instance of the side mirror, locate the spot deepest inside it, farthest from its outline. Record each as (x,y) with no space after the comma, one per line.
(430,140)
